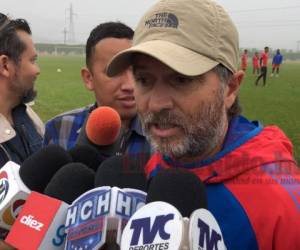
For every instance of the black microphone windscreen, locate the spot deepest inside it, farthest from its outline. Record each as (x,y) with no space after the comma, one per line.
(71,181)
(87,155)
(122,172)
(178,187)
(37,170)
(110,246)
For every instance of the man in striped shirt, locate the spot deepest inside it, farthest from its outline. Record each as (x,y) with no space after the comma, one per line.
(105,40)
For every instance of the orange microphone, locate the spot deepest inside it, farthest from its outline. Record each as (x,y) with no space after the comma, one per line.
(103,126)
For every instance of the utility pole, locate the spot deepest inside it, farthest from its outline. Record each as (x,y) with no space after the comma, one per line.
(70,18)
(298,46)
(65,35)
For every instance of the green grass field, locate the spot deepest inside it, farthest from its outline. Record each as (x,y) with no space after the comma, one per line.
(277,103)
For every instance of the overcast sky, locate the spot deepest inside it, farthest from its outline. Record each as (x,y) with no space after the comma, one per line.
(275,23)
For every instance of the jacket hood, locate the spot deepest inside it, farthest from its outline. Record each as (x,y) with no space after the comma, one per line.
(269,145)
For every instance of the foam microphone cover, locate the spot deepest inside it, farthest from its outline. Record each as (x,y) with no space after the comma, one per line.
(110,246)
(121,172)
(103,126)
(37,170)
(71,181)
(87,155)
(178,187)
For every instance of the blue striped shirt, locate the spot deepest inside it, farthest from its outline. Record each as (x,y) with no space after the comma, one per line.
(64,129)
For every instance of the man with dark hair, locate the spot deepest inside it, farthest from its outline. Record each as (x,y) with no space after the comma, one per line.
(21,130)
(184,59)
(105,41)
(263,66)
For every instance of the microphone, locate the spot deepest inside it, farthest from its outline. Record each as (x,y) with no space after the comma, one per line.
(204,231)
(121,171)
(102,130)
(103,126)
(38,169)
(43,217)
(173,195)
(13,193)
(38,224)
(70,181)
(17,182)
(87,155)
(178,187)
(157,225)
(97,218)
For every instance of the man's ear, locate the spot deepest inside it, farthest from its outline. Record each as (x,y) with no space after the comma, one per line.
(5,66)
(232,88)
(87,78)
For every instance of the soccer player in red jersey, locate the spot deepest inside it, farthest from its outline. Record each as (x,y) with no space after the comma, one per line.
(264,66)
(255,63)
(244,60)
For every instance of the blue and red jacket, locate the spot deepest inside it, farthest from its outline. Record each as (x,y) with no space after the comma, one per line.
(253,187)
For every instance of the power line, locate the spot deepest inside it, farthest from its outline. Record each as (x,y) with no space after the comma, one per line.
(269,21)
(258,25)
(264,9)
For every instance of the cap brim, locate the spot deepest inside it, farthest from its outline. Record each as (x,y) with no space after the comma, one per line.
(180,59)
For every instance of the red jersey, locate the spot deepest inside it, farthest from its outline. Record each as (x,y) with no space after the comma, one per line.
(264,59)
(244,61)
(255,62)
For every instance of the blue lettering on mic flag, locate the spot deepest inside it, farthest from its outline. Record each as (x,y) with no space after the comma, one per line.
(207,239)
(142,229)
(86,220)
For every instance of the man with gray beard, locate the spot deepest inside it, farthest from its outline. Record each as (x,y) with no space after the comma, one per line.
(184,59)
(21,129)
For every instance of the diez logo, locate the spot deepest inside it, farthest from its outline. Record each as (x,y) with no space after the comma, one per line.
(4,185)
(141,227)
(31,222)
(205,238)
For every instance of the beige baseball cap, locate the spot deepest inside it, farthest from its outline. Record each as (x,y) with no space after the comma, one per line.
(190,36)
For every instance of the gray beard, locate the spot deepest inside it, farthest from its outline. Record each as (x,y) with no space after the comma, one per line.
(203,132)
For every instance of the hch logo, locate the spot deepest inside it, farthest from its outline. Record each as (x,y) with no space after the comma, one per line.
(141,227)
(211,240)
(127,204)
(94,205)
(31,222)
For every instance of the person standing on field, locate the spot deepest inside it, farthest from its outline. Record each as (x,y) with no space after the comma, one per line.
(276,62)
(263,66)
(255,64)
(244,60)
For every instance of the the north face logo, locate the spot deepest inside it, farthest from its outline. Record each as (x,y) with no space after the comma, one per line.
(164,19)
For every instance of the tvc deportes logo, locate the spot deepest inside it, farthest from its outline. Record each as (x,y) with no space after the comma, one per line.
(29,221)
